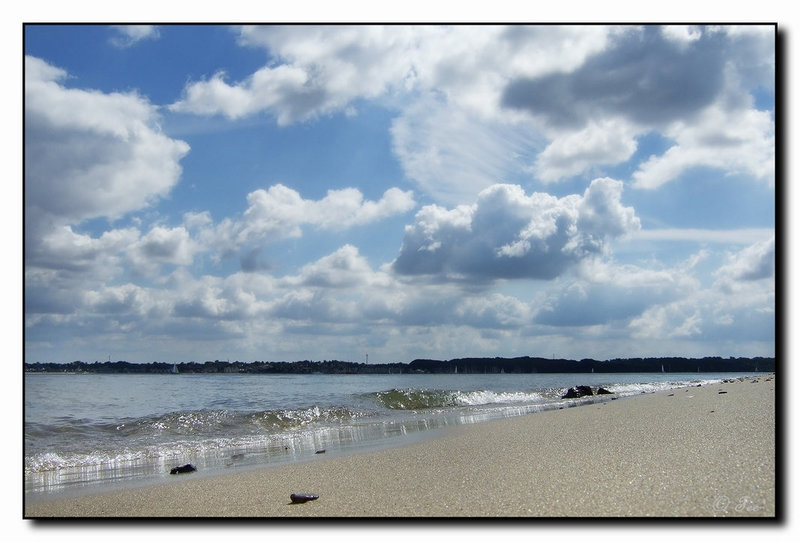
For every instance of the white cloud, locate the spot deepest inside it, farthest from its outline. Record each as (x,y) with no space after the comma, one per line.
(737,141)
(508,234)
(120,300)
(264,90)
(754,263)
(160,246)
(90,154)
(281,212)
(681,33)
(128,35)
(62,248)
(598,143)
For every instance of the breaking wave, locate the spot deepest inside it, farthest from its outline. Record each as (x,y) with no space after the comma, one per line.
(419,399)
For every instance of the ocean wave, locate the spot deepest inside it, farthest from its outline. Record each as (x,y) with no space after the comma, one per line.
(651,387)
(202,422)
(420,399)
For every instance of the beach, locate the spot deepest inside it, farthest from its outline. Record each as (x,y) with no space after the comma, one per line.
(691,452)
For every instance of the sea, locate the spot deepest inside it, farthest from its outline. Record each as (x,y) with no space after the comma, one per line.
(85,433)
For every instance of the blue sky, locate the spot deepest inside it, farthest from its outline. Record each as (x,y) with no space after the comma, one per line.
(327,192)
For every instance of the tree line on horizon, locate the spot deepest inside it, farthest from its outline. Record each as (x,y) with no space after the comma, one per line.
(524,364)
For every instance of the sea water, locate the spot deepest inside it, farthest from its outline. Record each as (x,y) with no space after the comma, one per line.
(85,432)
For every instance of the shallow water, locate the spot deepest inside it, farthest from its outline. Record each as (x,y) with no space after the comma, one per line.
(91,431)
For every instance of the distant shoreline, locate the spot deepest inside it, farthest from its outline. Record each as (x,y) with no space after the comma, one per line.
(420,366)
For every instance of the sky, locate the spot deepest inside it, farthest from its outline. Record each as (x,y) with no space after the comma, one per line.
(290,192)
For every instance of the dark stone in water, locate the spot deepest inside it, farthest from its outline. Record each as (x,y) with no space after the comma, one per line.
(300,498)
(183,468)
(320,452)
(577,391)
(603,391)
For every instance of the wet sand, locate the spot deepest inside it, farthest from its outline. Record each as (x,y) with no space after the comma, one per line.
(680,453)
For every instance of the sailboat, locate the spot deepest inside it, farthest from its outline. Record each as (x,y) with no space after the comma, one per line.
(174,369)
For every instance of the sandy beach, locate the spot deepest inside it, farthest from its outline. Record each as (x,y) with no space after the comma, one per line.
(700,451)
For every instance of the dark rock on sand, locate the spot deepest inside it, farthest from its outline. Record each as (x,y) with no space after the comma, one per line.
(603,391)
(300,498)
(183,469)
(577,391)
(320,452)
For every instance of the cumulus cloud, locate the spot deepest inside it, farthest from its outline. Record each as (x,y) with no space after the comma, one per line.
(280,212)
(89,154)
(265,89)
(160,246)
(508,234)
(739,141)
(344,268)
(63,249)
(120,300)
(599,143)
(323,69)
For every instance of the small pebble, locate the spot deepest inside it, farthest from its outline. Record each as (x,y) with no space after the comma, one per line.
(300,498)
(183,469)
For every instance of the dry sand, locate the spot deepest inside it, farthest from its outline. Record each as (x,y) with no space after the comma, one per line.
(686,452)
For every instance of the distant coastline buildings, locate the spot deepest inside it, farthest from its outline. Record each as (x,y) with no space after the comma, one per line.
(421,366)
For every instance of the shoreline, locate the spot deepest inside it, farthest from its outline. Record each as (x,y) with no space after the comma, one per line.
(687,452)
